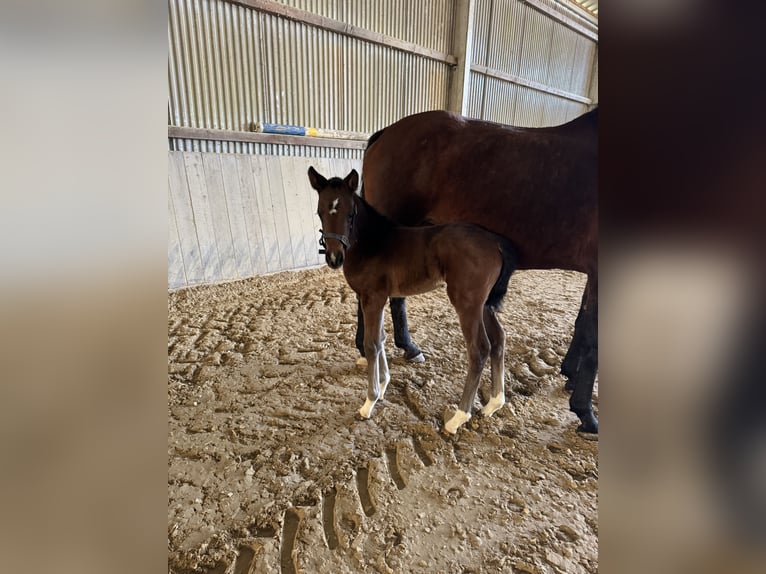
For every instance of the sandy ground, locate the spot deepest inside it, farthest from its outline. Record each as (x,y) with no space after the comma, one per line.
(271,471)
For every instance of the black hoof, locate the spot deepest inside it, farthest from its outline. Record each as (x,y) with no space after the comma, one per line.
(588,424)
(413,355)
(569,386)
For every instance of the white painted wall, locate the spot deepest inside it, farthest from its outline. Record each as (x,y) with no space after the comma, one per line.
(232,216)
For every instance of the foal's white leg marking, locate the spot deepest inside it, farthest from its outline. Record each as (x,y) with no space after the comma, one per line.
(386,374)
(373,374)
(366,411)
(493,404)
(457,420)
(334,206)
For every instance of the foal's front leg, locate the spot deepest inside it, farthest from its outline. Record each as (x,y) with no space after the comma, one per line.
(375,355)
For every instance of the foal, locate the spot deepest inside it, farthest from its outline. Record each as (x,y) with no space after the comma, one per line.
(381,259)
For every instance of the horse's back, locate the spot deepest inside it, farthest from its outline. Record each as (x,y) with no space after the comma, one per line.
(535,186)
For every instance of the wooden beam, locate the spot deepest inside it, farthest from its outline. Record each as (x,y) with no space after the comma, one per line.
(460,78)
(562,18)
(181,132)
(529,83)
(298,15)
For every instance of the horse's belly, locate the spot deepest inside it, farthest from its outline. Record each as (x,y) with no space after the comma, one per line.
(414,285)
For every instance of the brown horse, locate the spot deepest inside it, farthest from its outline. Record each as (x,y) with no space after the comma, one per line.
(535,186)
(381,259)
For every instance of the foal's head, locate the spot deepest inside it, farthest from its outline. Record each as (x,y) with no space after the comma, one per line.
(336,210)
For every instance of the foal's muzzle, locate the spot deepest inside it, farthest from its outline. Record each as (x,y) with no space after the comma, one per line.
(334,258)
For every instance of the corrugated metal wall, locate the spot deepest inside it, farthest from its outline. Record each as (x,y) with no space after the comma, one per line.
(230,66)
(513,37)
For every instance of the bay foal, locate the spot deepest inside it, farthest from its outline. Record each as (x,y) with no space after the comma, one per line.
(381,259)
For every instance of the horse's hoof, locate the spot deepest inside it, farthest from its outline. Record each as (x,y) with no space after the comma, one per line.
(588,425)
(419,358)
(569,386)
(361,362)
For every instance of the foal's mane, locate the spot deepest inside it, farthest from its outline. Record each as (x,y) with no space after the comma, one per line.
(377,227)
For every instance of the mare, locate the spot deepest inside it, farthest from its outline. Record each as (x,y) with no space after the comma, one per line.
(381,259)
(535,186)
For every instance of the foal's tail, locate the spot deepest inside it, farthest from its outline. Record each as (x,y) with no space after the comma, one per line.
(500,288)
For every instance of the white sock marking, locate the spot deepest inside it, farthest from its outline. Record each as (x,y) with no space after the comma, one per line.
(457,420)
(366,411)
(493,404)
(384,384)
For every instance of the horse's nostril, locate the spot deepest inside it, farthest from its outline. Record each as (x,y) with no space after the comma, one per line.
(334,259)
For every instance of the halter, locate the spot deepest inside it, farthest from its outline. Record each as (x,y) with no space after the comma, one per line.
(342,238)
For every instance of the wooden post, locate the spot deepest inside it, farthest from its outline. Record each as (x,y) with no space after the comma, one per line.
(460,79)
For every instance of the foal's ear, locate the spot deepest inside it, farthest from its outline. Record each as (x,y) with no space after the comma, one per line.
(352,180)
(317,181)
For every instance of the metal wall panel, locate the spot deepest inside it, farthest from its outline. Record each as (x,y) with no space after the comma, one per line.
(427,24)
(231,66)
(504,49)
(512,37)
(593,93)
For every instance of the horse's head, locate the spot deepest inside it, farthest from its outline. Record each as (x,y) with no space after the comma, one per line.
(336,210)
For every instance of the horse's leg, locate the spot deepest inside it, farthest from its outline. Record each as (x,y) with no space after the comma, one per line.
(373,320)
(384,373)
(581,401)
(496,336)
(478,350)
(571,363)
(402,332)
(359,340)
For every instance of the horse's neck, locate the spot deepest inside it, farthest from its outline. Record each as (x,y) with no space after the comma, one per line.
(370,227)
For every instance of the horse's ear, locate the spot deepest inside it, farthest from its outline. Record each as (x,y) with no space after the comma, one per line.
(352,180)
(317,181)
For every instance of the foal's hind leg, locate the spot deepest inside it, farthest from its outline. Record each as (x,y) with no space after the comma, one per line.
(478,349)
(496,336)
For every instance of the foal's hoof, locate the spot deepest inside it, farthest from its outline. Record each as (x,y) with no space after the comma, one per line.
(494,404)
(361,362)
(457,420)
(366,411)
(419,358)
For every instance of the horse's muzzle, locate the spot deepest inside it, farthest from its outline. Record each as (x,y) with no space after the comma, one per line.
(334,259)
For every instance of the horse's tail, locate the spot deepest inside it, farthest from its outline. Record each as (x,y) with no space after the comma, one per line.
(500,288)
(372,140)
